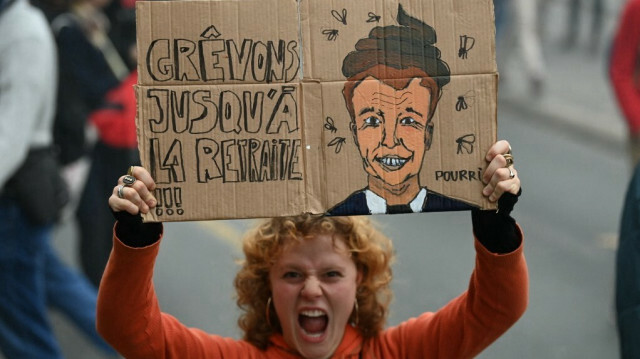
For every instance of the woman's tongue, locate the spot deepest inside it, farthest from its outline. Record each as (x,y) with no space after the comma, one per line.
(313,325)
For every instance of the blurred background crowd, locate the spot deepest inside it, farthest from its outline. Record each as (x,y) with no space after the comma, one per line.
(569,102)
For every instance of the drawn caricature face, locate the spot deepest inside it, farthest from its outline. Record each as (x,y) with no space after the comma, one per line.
(390,128)
(314,289)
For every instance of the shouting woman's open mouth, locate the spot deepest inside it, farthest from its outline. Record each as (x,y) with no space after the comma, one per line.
(313,323)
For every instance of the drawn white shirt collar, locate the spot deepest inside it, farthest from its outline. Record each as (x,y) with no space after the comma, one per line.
(377,204)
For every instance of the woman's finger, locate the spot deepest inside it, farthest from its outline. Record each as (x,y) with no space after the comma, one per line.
(503,180)
(498,148)
(144,184)
(120,200)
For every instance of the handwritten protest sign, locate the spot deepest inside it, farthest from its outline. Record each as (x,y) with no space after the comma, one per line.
(279,107)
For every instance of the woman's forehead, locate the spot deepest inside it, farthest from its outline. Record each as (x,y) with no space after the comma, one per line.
(316,241)
(314,253)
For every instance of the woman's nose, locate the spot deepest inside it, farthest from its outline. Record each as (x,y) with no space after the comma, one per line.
(311,287)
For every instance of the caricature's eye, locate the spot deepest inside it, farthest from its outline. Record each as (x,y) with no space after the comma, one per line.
(372,121)
(408,121)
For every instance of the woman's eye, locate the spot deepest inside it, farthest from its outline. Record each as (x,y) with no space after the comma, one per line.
(291,275)
(333,274)
(372,121)
(408,121)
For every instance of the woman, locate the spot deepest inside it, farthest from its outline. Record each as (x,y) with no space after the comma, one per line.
(317,287)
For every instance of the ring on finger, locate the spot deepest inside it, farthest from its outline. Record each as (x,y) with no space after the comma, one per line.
(509,158)
(121,191)
(511,174)
(128,180)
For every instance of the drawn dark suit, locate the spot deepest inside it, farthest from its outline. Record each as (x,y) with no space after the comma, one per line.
(356,204)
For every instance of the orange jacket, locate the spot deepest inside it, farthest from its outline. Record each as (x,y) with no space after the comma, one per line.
(129,317)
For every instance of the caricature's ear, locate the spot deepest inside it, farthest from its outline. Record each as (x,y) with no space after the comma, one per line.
(354,131)
(428,136)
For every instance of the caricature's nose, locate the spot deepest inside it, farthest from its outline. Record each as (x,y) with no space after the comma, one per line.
(389,138)
(312,287)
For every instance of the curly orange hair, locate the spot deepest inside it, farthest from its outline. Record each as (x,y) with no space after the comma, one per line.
(371,251)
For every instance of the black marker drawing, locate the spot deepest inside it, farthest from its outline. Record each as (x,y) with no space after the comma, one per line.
(208,112)
(466,143)
(459,175)
(342,17)
(331,34)
(461,104)
(204,111)
(329,125)
(169,201)
(210,32)
(166,164)
(373,17)
(247,60)
(338,142)
(465,101)
(466,44)
(395,78)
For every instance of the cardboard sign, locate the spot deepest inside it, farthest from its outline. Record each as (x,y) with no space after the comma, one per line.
(279,107)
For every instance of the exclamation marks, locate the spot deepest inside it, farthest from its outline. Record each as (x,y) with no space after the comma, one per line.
(169,201)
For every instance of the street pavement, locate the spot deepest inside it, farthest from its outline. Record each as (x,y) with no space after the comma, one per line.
(569,146)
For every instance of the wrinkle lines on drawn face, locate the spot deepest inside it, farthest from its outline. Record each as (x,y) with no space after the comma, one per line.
(396,101)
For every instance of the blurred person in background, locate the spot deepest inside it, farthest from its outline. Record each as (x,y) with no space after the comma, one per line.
(516,31)
(32,195)
(89,66)
(574,14)
(627,288)
(624,67)
(96,86)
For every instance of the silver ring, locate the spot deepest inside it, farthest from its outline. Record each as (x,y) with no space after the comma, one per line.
(511,174)
(120,191)
(128,180)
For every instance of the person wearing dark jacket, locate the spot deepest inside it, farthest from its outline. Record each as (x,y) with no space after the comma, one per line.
(32,194)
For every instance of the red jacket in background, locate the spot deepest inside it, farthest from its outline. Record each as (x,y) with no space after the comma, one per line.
(116,119)
(623,68)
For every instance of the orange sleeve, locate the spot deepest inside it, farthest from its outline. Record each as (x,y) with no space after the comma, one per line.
(129,317)
(497,297)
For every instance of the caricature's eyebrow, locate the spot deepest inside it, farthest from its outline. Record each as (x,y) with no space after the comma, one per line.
(366,110)
(410,109)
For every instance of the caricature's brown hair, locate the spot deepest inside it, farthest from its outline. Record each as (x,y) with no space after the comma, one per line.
(371,251)
(395,55)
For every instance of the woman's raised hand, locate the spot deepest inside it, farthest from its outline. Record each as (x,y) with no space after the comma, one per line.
(500,176)
(134,192)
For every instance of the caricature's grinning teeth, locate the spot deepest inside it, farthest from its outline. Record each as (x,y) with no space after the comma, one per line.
(392,163)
